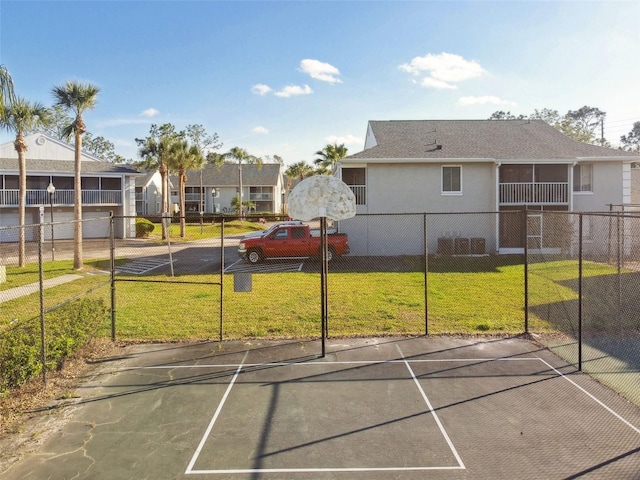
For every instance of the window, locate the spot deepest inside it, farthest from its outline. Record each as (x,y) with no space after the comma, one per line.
(110,183)
(281,234)
(355,178)
(90,183)
(451,179)
(297,233)
(582,178)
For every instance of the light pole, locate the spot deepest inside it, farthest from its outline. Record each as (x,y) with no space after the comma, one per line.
(51,190)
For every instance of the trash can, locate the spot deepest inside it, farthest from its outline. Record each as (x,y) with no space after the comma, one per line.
(242,282)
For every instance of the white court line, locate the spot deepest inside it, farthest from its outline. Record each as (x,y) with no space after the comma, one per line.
(347,362)
(433,412)
(619,417)
(407,363)
(213,420)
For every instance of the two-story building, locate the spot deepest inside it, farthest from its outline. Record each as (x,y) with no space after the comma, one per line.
(440,166)
(106,187)
(212,189)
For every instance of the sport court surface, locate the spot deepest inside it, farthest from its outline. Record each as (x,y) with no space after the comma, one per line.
(383,408)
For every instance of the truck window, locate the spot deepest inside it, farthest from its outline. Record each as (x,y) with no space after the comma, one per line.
(297,233)
(281,234)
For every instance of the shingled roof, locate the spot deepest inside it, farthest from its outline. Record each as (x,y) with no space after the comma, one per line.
(227,175)
(47,167)
(474,140)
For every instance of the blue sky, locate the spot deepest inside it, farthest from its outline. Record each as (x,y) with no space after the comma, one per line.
(287,78)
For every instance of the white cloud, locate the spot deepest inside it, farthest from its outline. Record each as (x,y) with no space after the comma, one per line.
(430,82)
(346,139)
(261,130)
(485,100)
(294,90)
(320,70)
(443,70)
(261,89)
(150,112)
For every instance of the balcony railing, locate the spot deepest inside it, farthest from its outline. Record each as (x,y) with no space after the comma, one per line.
(533,192)
(360,191)
(61,197)
(261,197)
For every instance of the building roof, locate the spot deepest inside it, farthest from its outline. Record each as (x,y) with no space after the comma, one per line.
(47,167)
(437,140)
(145,177)
(227,175)
(41,146)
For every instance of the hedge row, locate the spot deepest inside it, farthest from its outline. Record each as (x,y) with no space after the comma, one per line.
(66,329)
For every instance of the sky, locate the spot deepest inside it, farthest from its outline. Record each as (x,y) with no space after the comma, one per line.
(287,78)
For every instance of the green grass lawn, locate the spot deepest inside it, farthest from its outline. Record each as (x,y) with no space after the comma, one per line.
(195,231)
(490,301)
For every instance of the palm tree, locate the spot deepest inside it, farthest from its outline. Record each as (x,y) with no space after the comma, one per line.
(155,153)
(298,170)
(183,157)
(330,155)
(7,97)
(77,97)
(22,116)
(241,155)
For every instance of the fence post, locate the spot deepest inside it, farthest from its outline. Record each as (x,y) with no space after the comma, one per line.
(221,275)
(112,267)
(525,229)
(580,292)
(43,347)
(426,271)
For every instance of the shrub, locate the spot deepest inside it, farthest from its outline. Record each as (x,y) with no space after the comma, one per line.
(66,330)
(143,227)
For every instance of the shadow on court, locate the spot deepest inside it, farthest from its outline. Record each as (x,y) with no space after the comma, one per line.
(376,408)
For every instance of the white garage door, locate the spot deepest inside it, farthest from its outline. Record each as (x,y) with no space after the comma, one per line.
(8,234)
(96,224)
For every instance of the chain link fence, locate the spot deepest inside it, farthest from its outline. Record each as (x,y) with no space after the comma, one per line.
(584,279)
(48,311)
(571,280)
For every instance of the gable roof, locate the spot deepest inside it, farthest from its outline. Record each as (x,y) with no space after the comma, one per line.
(488,140)
(41,146)
(226,175)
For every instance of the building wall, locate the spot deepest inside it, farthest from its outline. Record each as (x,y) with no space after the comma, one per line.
(417,188)
(607,188)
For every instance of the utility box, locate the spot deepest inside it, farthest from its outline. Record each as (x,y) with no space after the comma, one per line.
(242,282)
(478,246)
(461,246)
(445,246)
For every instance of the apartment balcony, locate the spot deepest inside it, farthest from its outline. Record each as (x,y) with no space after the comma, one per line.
(9,198)
(360,192)
(549,193)
(261,197)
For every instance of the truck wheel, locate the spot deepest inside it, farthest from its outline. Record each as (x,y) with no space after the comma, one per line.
(330,254)
(254,256)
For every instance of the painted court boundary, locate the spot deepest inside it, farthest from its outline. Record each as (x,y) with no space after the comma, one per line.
(239,368)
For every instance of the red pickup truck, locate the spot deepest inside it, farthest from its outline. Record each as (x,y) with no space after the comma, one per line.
(291,241)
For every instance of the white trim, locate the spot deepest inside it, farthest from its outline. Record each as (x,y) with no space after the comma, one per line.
(450,192)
